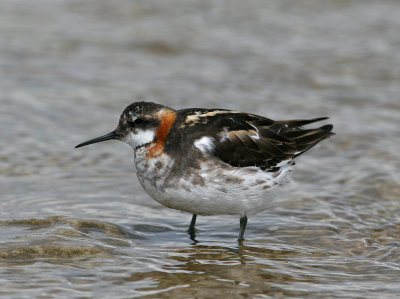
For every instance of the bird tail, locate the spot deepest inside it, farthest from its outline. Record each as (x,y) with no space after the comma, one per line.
(306,138)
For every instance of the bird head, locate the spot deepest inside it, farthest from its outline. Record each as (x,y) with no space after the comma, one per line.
(140,124)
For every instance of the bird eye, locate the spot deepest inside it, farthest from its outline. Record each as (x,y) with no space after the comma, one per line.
(137,121)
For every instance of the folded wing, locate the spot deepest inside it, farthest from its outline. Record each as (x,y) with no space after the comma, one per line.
(250,140)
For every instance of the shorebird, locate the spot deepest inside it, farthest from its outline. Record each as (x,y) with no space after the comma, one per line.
(212,161)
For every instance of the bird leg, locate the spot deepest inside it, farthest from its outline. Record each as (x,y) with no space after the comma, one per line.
(192,230)
(243,223)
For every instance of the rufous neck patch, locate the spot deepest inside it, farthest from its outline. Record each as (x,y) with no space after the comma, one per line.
(167,118)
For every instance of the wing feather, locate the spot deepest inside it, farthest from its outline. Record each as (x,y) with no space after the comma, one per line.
(243,139)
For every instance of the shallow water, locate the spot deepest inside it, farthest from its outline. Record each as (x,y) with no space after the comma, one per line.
(77,223)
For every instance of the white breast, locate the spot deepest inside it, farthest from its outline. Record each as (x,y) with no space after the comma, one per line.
(152,172)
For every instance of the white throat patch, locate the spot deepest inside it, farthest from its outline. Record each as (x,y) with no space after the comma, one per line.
(139,138)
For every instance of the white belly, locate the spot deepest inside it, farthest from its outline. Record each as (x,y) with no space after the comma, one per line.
(214,189)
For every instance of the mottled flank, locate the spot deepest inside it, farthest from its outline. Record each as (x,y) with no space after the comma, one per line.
(233,179)
(159,165)
(198,180)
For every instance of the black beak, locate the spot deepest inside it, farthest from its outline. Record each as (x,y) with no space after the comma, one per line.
(111,135)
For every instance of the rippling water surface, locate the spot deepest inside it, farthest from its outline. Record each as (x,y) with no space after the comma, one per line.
(77,223)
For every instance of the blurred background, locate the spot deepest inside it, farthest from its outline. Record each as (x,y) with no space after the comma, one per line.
(77,223)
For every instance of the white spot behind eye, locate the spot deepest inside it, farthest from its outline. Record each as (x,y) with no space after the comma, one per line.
(205,144)
(133,119)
